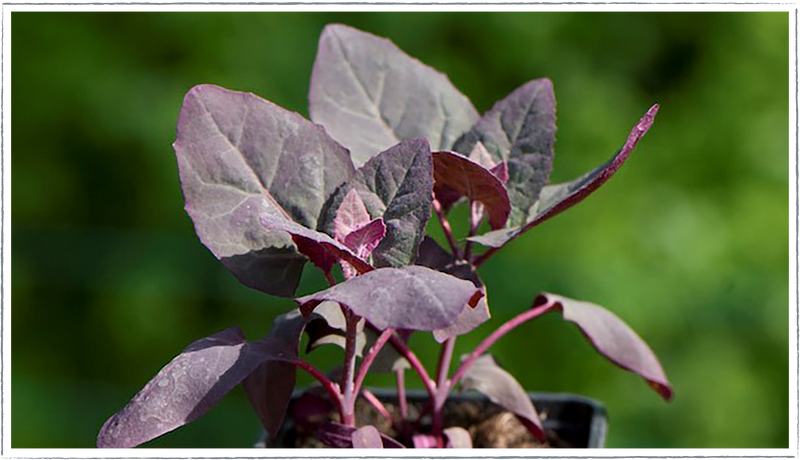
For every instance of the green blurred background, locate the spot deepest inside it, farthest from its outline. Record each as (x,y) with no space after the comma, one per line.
(688,243)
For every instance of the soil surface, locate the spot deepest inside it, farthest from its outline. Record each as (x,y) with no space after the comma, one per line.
(489,425)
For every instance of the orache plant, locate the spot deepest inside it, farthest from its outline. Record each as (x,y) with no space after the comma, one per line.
(391,138)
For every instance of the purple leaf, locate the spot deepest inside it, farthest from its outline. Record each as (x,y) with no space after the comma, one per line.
(502,389)
(269,388)
(433,256)
(188,387)
(237,154)
(396,186)
(557,198)
(341,436)
(367,437)
(467,320)
(613,339)
(311,409)
(321,249)
(468,178)
(458,438)
(351,215)
(411,297)
(370,95)
(519,129)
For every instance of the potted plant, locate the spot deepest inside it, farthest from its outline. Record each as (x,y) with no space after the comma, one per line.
(391,143)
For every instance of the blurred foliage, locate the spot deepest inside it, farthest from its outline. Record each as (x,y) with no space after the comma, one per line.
(688,243)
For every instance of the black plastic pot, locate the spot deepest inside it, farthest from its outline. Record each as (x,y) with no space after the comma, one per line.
(576,420)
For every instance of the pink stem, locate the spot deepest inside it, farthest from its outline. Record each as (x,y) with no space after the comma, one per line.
(448,232)
(330,278)
(442,385)
(327,384)
(484,257)
(400,375)
(349,367)
(370,357)
(473,228)
(501,331)
(412,359)
(376,403)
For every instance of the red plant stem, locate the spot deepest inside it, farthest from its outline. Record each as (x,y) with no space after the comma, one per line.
(370,357)
(400,376)
(412,359)
(442,385)
(376,403)
(484,257)
(501,331)
(448,232)
(473,228)
(327,384)
(330,278)
(349,367)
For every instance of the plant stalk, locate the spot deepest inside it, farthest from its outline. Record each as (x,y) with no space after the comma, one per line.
(510,325)
(448,231)
(349,367)
(331,388)
(366,363)
(400,377)
(442,384)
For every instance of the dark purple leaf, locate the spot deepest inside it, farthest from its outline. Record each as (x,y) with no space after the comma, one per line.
(311,409)
(468,178)
(613,339)
(520,130)
(188,387)
(396,186)
(269,388)
(340,436)
(237,154)
(425,441)
(502,389)
(411,297)
(370,95)
(321,249)
(557,198)
(458,438)
(433,256)
(367,437)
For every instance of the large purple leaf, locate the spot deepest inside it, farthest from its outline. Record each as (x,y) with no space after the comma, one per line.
(396,186)
(502,389)
(269,388)
(519,129)
(188,387)
(370,95)
(341,436)
(237,154)
(468,178)
(321,249)
(367,437)
(411,297)
(433,256)
(612,338)
(557,198)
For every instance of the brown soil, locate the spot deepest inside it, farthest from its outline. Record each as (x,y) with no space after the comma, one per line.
(488,424)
